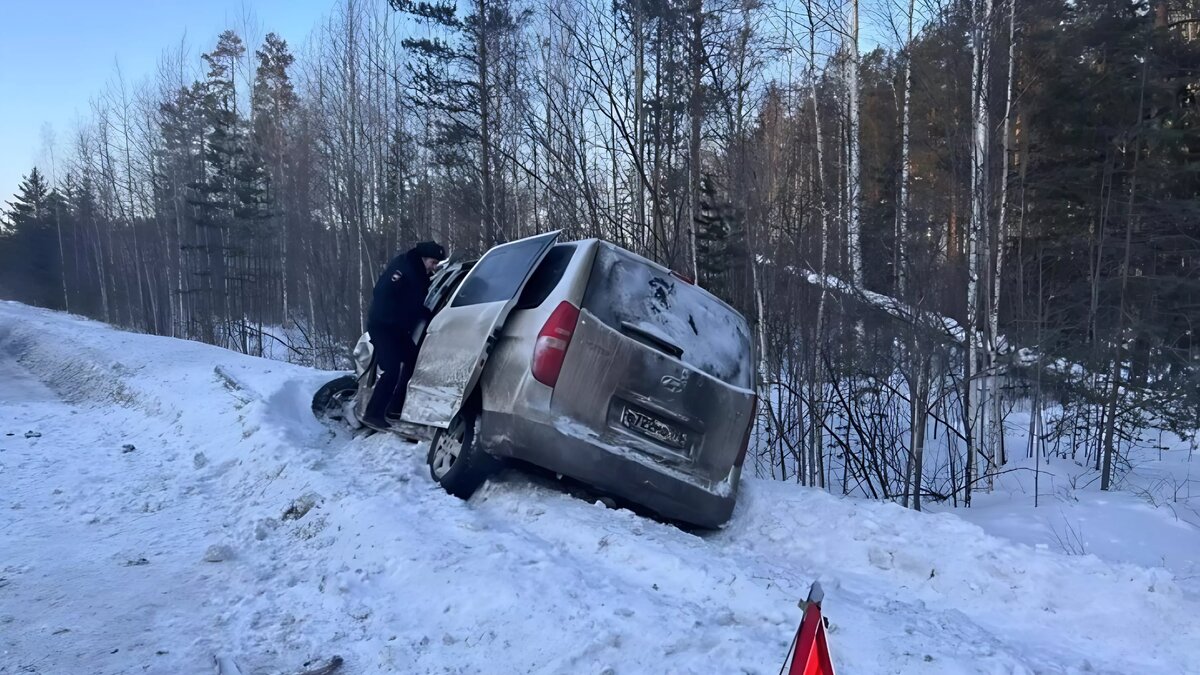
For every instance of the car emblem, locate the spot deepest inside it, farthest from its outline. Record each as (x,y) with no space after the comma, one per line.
(675,384)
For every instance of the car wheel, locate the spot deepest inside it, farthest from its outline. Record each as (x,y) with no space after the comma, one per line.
(455,460)
(327,403)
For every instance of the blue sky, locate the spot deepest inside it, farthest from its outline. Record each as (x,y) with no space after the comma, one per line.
(56,54)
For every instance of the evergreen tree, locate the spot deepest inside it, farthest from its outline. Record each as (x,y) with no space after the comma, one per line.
(179,167)
(720,240)
(30,251)
(32,200)
(457,81)
(274,103)
(87,261)
(213,192)
(231,203)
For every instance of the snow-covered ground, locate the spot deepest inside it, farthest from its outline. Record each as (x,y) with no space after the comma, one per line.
(1151,520)
(181,506)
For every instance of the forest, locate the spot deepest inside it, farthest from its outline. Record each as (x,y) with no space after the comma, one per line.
(933,213)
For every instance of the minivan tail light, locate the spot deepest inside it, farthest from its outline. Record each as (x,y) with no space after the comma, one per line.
(551,347)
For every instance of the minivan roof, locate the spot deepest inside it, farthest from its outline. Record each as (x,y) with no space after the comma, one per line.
(596,241)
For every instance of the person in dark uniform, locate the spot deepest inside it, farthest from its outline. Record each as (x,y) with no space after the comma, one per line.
(397,308)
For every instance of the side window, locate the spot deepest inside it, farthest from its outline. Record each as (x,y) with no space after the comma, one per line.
(546,276)
(444,287)
(499,274)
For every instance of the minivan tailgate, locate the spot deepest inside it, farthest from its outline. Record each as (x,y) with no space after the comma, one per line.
(635,396)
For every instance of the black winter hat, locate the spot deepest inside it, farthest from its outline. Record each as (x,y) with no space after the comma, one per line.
(430,249)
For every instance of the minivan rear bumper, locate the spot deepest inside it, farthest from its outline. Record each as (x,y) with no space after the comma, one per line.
(611,470)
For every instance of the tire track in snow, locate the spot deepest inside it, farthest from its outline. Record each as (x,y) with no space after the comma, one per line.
(91,583)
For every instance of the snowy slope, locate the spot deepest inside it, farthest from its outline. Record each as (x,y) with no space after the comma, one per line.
(1152,520)
(103,549)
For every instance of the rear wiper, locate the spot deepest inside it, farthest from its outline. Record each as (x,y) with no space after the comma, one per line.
(649,338)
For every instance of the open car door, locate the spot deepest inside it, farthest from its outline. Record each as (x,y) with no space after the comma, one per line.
(443,285)
(460,337)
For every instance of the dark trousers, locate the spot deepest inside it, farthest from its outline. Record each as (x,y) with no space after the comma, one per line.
(394,357)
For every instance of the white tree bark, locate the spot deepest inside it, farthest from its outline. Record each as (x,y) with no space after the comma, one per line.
(994,430)
(979,202)
(817,383)
(905,132)
(853,227)
(1001,224)
(763,381)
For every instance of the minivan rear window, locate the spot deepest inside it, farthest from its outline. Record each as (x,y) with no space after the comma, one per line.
(646,303)
(547,275)
(499,274)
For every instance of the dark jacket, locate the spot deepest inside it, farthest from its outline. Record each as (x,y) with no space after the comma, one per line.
(398,302)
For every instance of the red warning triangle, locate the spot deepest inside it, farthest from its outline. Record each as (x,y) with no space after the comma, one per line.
(811,656)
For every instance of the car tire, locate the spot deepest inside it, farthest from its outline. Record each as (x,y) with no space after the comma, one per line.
(328,401)
(456,462)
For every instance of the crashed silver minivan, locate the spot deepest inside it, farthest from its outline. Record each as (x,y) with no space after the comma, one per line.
(592,362)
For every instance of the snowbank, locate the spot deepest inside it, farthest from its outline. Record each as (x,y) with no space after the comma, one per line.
(241,529)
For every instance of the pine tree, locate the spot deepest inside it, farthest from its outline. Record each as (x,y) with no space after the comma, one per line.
(178,170)
(30,250)
(31,200)
(664,31)
(720,240)
(213,196)
(273,104)
(456,81)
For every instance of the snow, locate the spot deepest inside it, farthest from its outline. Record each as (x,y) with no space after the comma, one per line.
(330,544)
(886,303)
(714,338)
(1153,521)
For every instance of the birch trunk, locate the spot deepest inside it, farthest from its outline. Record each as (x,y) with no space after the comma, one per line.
(905,129)
(995,428)
(696,112)
(920,408)
(1001,221)
(763,381)
(639,79)
(979,147)
(817,379)
(853,193)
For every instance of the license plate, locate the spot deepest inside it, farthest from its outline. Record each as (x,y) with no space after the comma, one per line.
(654,428)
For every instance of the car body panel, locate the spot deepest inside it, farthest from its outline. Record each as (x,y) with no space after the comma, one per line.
(445,281)
(460,337)
(508,382)
(634,396)
(571,451)
(634,413)
(576,428)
